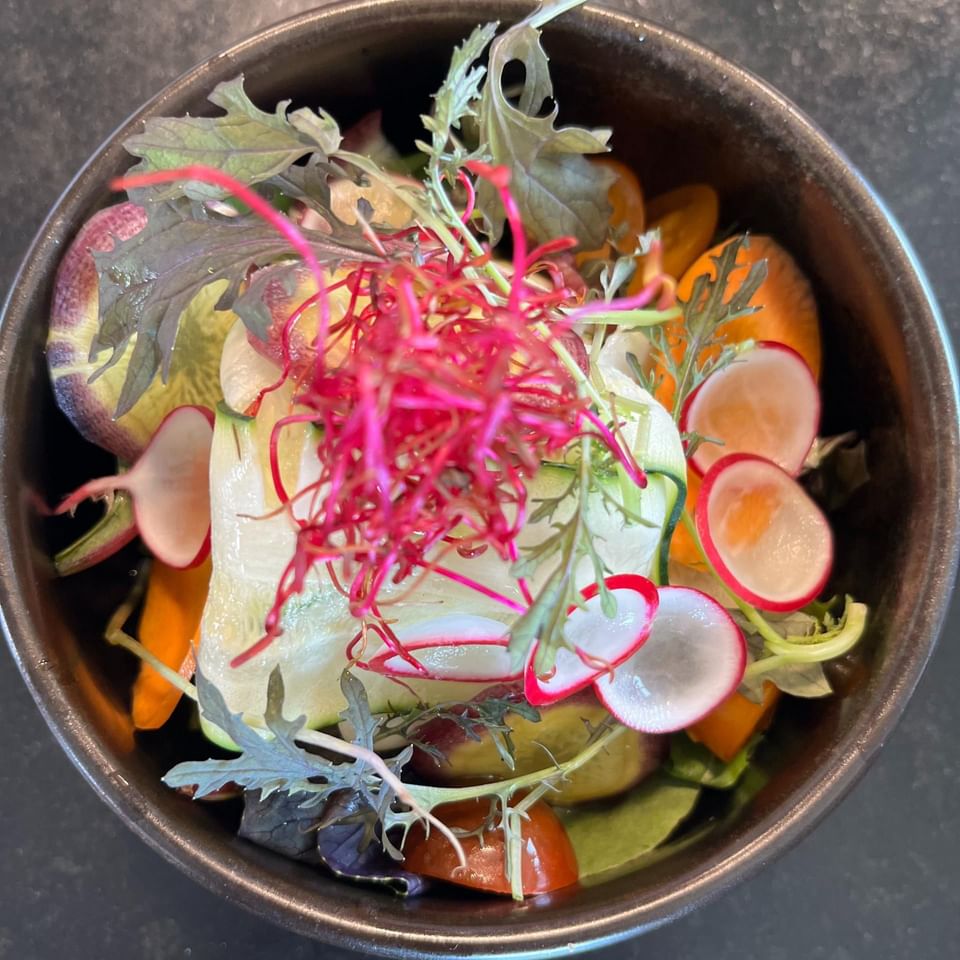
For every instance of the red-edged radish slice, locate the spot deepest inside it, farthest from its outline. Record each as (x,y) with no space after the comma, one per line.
(603,642)
(462,647)
(693,659)
(244,372)
(767,539)
(74,321)
(115,529)
(170,487)
(765,403)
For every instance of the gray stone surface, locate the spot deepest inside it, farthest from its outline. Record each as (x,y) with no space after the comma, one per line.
(881,877)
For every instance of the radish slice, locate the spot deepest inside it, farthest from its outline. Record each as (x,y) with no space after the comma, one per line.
(767,540)
(463,647)
(765,403)
(604,642)
(170,488)
(115,529)
(244,372)
(692,661)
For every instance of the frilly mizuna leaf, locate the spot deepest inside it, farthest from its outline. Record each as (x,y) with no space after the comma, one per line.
(558,191)
(147,282)
(246,142)
(266,763)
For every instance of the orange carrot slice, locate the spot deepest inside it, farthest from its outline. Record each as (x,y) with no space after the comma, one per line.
(169,629)
(789,311)
(627,217)
(626,198)
(788,315)
(726,729)
(683,548)
(687,220)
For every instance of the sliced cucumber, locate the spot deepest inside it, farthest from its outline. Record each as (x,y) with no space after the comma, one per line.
(655,441)
(250,549)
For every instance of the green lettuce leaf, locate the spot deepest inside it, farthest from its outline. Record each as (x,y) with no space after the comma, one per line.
(608,837)
(694,763)
(806,680)
(246,142)
(147,282)
(558,191)
(798,678)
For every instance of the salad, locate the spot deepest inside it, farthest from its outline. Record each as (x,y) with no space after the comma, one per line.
(478,499)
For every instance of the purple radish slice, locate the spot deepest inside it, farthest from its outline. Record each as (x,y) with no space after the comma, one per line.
(73,323)
(462,647)
(170,488)
(366,136)
(598,643)
(765,537)
(113,531)
(692,661)
(765,403)
(86,393)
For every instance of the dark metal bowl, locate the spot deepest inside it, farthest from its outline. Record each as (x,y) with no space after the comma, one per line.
(680,113)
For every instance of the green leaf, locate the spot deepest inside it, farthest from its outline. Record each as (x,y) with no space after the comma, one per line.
(455,100)
(246,142)
(357,711)
(320,128)
(807,680)
(271,761)
(703,315)
(790,650)
(837,469)
(539,620)
(264,764)
(309,184)
(694,763)
(609,837)
(558,191)
(487,716)
(801,680)
(252,305)
(613,280)
(147,282)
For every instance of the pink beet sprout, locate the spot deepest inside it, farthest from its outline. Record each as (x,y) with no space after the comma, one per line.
(438,405)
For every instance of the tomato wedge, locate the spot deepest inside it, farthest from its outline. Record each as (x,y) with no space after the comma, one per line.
(548,861)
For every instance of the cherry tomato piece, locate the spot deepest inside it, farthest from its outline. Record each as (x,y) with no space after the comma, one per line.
(547,859)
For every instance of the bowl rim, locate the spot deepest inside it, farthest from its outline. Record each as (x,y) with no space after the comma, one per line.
(256,889)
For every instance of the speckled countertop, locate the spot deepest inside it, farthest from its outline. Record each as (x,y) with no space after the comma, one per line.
(880,878)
